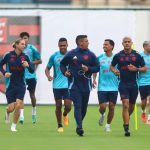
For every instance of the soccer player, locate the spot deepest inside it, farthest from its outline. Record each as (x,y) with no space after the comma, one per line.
(144,83)
(107,84)
(31,79)
(78,65)
(60,84)
(16,62)
(129,64)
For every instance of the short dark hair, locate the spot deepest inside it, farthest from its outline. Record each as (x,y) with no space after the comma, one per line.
(62,39)
(22,34)
(79,37)
(146,43)
(112,43)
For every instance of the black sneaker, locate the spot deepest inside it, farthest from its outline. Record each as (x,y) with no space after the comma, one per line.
(127,134)
(126,130)
(80,131)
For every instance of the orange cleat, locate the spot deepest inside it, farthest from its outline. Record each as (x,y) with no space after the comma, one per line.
(60,129)
(66,120)
(143,117)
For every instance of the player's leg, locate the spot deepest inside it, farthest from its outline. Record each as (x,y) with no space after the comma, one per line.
(85,100)
(21,118)
(102,97)
(143,93)
(10,108)
(67,106)
(19,94)
(76,97)
(18,106)
(67,109)
(31,87)
(11,103)
(148,104)
(132,98)
(58,109)
(124,94)
(111,107)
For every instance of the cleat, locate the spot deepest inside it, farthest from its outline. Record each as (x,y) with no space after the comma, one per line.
(21,121)
(66,120)
(80,131)
(7,118)
(148,122)
(143,117)
(127,134)
(101,120)
(60,129)
(13,129)
(107,129)
(33,119)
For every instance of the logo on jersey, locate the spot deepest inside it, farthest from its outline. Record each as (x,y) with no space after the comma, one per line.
(86,57)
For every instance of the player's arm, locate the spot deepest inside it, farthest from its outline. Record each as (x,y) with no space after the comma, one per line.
(113,64)
(142,67)
(94,84)
(2,63)
(64,63)
(95,67)
(37,56)
(48,67)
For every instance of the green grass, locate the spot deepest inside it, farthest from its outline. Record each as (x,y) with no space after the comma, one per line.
(43,135)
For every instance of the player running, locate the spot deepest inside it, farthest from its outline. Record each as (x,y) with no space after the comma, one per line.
(144,84)
(16,62)
(129,64)
(31,79)
(107,84)
(60,84)
(78,65)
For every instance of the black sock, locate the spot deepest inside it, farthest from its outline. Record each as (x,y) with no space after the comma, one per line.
(60,125)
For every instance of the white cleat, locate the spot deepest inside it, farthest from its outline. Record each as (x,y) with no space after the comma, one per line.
(13,129)
(7,118)
(101,120)
(107,129)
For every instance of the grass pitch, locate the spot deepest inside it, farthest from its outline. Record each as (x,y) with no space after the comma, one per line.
(44,136)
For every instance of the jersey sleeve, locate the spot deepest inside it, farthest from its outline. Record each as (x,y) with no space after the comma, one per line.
(30,68)
(95,67)
(141,61)
(2,62)
(65,62)
(115,60)
(51,61)
(36,53)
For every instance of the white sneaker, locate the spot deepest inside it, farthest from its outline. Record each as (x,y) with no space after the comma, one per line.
(7,118)
(13,129)
(107,128)
(101,120)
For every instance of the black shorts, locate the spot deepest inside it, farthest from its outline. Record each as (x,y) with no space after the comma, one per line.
(144,91)
(61,94)
(31,84)
(15,92)
(107,96)
(128,91)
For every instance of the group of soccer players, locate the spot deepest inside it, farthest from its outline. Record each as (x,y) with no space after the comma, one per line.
(126,72)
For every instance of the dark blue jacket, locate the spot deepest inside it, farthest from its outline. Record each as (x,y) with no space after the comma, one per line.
(73,61)
(14,65)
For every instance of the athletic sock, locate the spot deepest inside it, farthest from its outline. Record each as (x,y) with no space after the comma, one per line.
(13,125)
(21,112)
(143,111)
(60,125)
(33,110)
(107,125)
(148,117)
